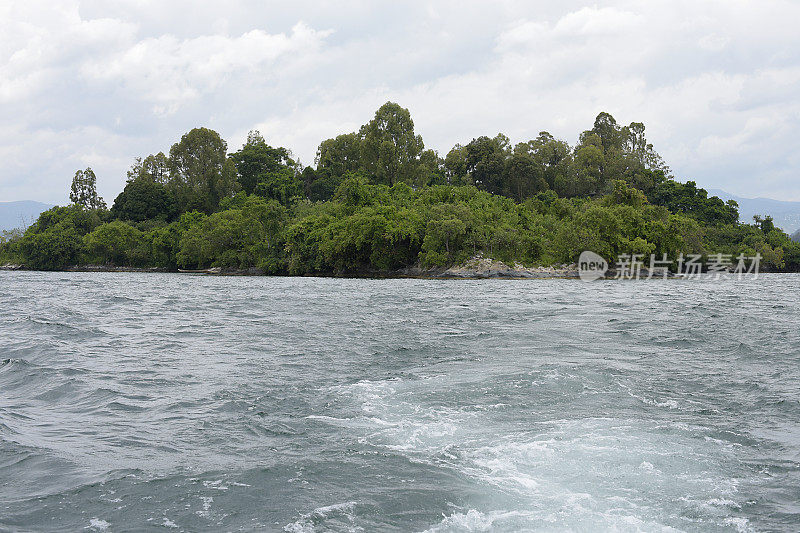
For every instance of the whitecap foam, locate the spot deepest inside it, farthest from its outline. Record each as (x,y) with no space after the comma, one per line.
(308,521)
(742,525)
(474,521)
(206,511)
(97,524)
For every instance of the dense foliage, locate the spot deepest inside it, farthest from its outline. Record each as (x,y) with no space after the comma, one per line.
(377,201)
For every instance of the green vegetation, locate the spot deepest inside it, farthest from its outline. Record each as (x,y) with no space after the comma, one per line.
(377,201)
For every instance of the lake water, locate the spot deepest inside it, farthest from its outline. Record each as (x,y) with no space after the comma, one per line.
(172,402)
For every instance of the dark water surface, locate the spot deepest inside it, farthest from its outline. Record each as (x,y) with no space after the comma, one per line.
(134,402)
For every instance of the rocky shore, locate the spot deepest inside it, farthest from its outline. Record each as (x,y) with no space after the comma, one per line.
(111,268)
(480,267)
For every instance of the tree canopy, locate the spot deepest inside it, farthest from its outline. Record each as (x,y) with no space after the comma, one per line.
(143,199)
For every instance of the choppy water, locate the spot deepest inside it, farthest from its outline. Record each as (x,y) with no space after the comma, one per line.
(132,402)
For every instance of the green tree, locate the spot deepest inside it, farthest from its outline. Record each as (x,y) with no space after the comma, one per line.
(552,156)
(153,168)
(444,235)
(608,131)
(200,173)
(486,162)
(55,240)
(524,175)
(55,249)
(83,191)
(586,173)
(164,243)
(455,166)
(635,145)
(142,200)
(114,242)
(9,246)
(257,162)
(323,187)
(282,185)
(431,170)
(355,191)
(238,238)
(689,199)
(765,223)
(338,156)
(389,146)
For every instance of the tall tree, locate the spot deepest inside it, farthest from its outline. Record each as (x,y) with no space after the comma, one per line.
(586,176)
(636,146)
(431,169)
(486,161)
(389,147)
(153,168)
(524,175)
(615,163)
(83,191)
(611,135)
(552,155)
(143,199)
(200,173)
(256,161)
(340,155)
(455,166)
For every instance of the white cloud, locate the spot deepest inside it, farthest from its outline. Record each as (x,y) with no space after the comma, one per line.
(170,72)
(38,47)
(594,21)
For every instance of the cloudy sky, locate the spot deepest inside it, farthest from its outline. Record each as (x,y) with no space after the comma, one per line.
(97,83)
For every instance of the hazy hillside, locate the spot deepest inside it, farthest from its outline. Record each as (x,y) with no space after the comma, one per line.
(785,214)
(20,214)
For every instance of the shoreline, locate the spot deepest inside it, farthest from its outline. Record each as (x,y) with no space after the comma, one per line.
(477,268)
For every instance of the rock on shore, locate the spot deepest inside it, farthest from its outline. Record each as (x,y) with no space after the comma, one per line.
(110,268)
(480,267)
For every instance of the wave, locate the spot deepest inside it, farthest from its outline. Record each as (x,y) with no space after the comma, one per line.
(535,407)
(14,363)
(342,514)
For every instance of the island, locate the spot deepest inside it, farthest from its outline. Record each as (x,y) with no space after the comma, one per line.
(378,203)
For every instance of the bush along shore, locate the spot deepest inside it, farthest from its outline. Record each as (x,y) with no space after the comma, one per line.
(378,203)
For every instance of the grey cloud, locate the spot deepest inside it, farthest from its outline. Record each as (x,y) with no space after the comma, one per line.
(90,83)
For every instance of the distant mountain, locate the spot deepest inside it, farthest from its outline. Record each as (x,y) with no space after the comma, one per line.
(786,215)
(20,214)
(796,236)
